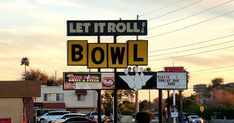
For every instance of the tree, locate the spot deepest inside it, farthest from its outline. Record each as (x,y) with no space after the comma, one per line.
(127,107)
(143,105)
(216,82)
(125,95)
(191,104)
(36,74)
(25,62)
(107,101)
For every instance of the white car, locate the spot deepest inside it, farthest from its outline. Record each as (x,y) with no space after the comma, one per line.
(51,116)
(195,119)
(66,116)
(94,116)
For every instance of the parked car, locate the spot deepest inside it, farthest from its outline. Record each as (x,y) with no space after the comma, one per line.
(66,116)
(194,119)
(94,116)
(51,116)
(154,118)
(78,120)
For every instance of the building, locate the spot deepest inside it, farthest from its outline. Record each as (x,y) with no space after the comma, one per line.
(16,99)
(200,88)
(55,98)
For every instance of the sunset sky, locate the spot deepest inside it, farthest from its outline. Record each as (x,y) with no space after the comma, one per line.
(196,34)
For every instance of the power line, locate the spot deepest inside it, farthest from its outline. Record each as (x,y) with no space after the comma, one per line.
(190,25)
(194,53)
(205,41)
(173,11)
(191,15)
(213,71)
(170,4)
(222,67)
(193,48)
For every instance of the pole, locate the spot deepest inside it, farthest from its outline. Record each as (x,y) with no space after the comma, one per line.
(149,100)
(174,104)
(99,106)
(136,102)
(115,94)
(55,76)
(136,92)
(99,94)
(160,105)
(181,105)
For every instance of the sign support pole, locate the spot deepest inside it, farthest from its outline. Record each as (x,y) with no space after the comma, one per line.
(99,95)
(136,91)
(115,95)
(160,105)
(174,104)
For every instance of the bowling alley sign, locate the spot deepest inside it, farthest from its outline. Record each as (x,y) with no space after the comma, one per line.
(107,55)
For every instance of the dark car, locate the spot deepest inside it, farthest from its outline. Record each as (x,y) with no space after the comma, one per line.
(79,120)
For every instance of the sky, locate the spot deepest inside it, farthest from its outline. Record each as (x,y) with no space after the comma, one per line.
(196,34)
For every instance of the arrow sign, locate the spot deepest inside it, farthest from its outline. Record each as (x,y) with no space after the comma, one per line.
(135,80)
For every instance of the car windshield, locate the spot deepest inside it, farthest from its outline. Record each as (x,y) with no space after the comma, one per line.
(95,113)
(195,117)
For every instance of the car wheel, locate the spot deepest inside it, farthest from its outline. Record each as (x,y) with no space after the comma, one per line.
(42,121)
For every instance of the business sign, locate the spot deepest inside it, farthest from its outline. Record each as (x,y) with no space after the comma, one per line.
(172,80)
(107,55)
(106,27)
(174,69)
(137,52)
(90,80)
(135,80)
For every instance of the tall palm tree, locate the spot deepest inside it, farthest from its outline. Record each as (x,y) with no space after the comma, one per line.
(25,62)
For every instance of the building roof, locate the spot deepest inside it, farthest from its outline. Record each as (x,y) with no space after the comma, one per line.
(19,89)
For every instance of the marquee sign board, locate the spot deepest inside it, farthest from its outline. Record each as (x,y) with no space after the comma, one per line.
(106,27)
(135,80)
(172,80)
(90,80)
(107,55)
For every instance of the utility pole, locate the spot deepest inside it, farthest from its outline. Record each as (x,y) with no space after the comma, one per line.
(149,100)
(136,92)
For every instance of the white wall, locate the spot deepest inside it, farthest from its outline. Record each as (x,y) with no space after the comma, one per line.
(11,108)
(70,97)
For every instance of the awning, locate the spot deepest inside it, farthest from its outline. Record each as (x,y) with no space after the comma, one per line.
(52,105)
(81,92)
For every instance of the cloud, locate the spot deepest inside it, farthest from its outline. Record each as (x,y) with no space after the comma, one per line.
(64,3)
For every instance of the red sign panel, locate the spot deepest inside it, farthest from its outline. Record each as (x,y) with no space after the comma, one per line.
(174,69)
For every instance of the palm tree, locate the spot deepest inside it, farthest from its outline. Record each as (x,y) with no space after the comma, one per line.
(25,62)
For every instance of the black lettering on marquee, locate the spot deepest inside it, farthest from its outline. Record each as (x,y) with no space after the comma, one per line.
(77,52)
(102,53)
(135,53)
(116,53)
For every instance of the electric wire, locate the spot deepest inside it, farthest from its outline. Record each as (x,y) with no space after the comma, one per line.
(186,45)
(173,11)
(194,53)
(212,68)
(193,48)
(191,15)
(190,25)
(168,5)
(213,71)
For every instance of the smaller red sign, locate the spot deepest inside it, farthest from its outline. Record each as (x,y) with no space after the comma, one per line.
(174,69)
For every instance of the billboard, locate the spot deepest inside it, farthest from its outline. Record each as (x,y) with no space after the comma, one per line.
(107,55)
(135,80)
(89,80)
(172,80)
(106,27)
